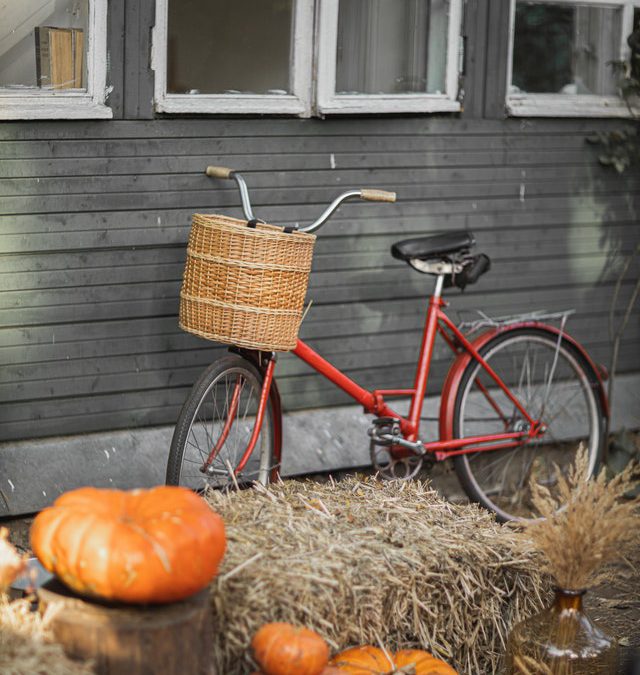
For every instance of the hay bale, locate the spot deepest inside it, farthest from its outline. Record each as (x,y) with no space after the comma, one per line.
(26,647)
(362,561)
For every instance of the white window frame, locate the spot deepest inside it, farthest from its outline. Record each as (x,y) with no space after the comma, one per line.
(329,102)
(36,104)
(296,103)
(568,105)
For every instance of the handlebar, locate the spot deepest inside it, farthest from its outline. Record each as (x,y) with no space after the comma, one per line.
(370,195)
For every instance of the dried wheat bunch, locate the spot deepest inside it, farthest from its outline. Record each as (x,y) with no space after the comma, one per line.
(597,525)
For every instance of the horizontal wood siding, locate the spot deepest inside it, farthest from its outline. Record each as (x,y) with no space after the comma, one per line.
(94,218)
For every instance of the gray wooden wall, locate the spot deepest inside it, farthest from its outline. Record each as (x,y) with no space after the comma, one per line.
(95,217)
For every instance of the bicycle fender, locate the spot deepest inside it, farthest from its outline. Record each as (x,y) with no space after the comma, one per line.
(454,376)
(276,402)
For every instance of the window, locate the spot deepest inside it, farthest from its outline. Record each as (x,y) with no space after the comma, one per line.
(379,56)
(256,56)
(53,59)
(561,56)
(233,56)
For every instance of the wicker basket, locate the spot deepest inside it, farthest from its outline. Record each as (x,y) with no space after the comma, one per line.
(243,285)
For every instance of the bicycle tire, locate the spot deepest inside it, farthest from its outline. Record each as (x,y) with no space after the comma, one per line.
(202,420)
(479,473)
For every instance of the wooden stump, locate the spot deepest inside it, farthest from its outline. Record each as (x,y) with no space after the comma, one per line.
(172,639)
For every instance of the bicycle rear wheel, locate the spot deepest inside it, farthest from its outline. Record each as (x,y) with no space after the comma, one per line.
(214,428)
(556,385)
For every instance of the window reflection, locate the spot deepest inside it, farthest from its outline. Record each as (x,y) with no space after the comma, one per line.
(43,44)
(565,49)
(391,47)
(229,46)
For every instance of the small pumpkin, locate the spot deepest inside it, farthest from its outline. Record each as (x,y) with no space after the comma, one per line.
(423,662)
(283,649)
(139,546)
(363,660)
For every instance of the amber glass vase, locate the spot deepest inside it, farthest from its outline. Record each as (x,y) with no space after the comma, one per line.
(561,640)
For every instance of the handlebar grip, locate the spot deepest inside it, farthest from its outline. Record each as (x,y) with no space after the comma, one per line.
(378,195)
(219,172)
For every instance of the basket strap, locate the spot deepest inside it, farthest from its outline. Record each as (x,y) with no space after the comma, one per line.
(254,221)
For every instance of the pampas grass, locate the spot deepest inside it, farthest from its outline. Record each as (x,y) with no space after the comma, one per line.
(12,564)
(26,647)
(587,525)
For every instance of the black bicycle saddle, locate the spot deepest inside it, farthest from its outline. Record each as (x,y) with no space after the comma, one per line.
(433,246)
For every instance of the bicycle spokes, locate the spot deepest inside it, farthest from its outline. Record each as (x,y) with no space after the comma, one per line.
(550,383)
(229,419)
(222,427)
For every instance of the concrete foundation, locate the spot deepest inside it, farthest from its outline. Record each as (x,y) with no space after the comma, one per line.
(33,473)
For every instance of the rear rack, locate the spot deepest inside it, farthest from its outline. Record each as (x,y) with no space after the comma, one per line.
(486,321)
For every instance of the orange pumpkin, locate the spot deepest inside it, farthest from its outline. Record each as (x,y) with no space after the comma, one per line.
(283,649)
(329,670)
(423,662)
(364,660)
(142,546)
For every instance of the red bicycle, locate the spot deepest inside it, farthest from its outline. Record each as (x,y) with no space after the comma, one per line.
(519,399)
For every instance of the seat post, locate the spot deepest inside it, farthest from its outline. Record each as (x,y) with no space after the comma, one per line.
(437,290)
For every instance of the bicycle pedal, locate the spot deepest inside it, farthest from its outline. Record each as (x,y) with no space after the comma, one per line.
(384,421)
(383,430)
(390,425)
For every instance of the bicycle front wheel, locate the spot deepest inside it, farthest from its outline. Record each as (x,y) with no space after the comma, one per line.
(214,428)
(556,385)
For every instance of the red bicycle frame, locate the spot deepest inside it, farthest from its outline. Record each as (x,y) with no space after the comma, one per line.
(374,402)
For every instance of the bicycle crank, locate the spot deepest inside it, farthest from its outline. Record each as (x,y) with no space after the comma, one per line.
(393,457)
(394,468)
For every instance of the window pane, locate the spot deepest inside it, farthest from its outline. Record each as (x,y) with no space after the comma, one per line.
(43,43)
(394,47)
(565,49)
(229,46)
